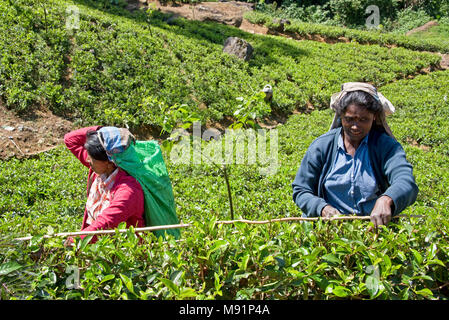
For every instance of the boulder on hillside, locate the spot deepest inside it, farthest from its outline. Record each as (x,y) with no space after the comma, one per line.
(238,47)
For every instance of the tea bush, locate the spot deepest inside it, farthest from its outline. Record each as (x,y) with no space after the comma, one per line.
(304,29)
(422,104)
(99,73)
(31,56)
(409,259)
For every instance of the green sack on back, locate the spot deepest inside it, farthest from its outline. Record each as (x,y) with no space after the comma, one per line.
(143,160)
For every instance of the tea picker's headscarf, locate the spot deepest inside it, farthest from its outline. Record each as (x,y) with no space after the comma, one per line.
(387,106)
(115,140)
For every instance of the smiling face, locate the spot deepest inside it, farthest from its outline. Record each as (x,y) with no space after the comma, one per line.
(356,122)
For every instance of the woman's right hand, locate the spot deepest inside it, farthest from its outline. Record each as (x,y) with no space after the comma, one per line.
(329,212)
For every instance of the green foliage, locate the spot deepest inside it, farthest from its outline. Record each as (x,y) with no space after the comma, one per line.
(312,14)
(31,55)
(434,8)
(351,13)
(319,260)
(409,19)
(119,68)
(423,104)
(250,110)
(303,29)
(45,185)
(407,260)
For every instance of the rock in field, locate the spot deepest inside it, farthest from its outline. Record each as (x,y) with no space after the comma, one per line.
(238,47)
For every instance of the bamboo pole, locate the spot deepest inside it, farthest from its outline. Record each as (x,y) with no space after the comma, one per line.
(111,231)
(187,225)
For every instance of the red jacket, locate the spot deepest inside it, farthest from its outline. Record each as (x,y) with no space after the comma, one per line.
(127,203)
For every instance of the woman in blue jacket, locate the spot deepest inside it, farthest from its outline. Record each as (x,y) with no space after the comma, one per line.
(357,167)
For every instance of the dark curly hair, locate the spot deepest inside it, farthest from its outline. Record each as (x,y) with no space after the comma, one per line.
(94,147)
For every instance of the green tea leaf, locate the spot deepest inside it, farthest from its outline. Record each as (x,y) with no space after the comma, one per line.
(372,285)
(9,267)
(127,282)
(417,255)
(243,264)
(280,261)
(177,277)
(435,261)
(217,284)
(35,242)
(332,258)
(84,242)
(107,278)
(187,293)
(424,292)
(218,244)
(387,262)
(170,285)
(341,292)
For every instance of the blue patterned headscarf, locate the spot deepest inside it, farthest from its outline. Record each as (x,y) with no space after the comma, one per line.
(115,140)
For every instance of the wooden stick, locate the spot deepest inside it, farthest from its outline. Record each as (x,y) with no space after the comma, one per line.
(186,225)
(12,140)
(111,231)
(312,219)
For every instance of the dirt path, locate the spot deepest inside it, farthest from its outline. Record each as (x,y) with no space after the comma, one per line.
(227,12)
(424,27)
(25,136)
(444,61)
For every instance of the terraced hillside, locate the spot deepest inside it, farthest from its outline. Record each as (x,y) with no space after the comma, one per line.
(127,68)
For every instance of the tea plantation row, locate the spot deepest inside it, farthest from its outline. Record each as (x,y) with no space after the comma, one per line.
(407,260)
(101,73)
(99,70)
(304,29)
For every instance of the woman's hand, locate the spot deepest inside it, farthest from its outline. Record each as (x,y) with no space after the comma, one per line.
(382,212)
(329,212)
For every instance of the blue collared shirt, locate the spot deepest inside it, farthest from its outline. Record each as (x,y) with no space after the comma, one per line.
(351,185)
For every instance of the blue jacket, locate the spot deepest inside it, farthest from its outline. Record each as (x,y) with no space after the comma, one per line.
(394,174)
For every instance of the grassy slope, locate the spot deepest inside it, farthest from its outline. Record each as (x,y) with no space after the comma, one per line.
(295,261)
(201,197)
(304,29)
(100,73)
(438,34)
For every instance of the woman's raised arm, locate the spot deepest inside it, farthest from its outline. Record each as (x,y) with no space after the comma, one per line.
(75,141)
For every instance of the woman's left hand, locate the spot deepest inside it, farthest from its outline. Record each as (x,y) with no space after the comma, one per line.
(382,212)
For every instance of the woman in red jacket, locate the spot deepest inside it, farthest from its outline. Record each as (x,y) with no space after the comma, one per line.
(113,196)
